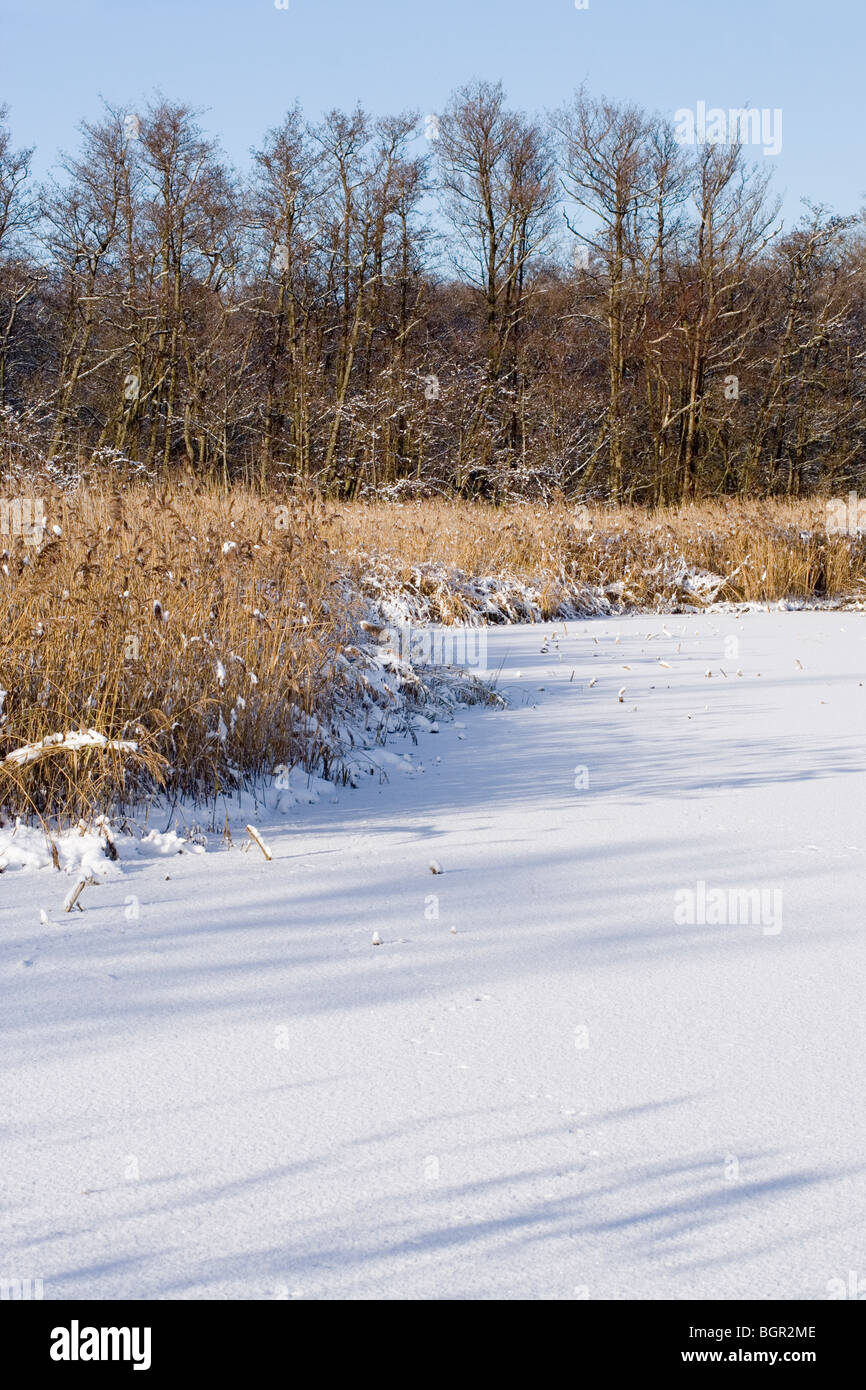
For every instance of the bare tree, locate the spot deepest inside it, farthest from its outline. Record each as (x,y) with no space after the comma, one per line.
(19,274)
(497,187)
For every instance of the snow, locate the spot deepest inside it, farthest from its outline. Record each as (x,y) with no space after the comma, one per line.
(69,742)
(434,591)
(546,1081)
(83,852)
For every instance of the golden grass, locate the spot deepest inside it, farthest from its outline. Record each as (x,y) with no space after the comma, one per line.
(200,627)
(771,550)
(206,629)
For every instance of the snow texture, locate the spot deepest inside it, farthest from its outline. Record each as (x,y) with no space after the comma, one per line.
(551,1079)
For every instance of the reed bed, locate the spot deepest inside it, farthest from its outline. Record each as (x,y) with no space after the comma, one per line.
(189,641)
(199,633)
(761,550)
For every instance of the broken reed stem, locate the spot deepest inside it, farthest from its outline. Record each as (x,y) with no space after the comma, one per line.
(257,839)
(71,899)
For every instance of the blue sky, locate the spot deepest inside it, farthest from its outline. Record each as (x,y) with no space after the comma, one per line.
(246,62)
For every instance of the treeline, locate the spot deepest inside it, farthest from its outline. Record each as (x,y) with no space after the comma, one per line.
(512,305)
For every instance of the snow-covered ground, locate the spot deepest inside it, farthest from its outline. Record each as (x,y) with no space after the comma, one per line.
(215,1085)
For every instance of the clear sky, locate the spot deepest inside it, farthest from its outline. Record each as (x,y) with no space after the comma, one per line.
(245,62)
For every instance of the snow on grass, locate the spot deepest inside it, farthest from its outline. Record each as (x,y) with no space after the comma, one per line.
(437,592)
(68,743)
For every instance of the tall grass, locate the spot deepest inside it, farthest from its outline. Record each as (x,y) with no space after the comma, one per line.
(202,628)
(763,550)
(208,638)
